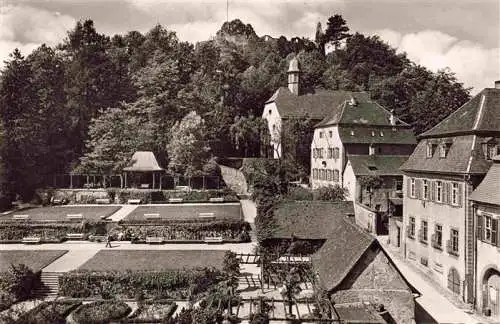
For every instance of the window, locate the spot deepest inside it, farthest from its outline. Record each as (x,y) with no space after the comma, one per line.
(336,175)
(330,134)
(381,134)
(452,244)
(412,187)
(443,150)
(411,228)
(371,149)
(315,174)
(336,153)
(329,175)
(429,150)
(454,281)
(323,174)
(438,236)
(398,185)
(352,133)
(373,134)
(439,191)
(424,230)
(487,229)
(330,153)
(320,153)
(320,134)
(425,189)
(270,111)
(454,193)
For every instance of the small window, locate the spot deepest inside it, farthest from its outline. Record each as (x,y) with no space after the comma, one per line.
(411,227)
(330,134)
(423,237)
(329,153)
(412,187)
(429,150)
(399,185)
(320,134)
(352,133)
(438,238)
(439,191)
(270,111)
(454,240)
(425,189)
(381,134)
(454,194)
(373,134)
(443,150)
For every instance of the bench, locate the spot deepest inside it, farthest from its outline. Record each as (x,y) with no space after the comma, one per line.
(28,240)
(74,236)
(154,239)
(183,188)
(134,201)
(206,215)
(175,200)
(74,216)
(215,239)
(20,216)
(144,186)
(98,238)
(102,201)
(216,199)
(151,216)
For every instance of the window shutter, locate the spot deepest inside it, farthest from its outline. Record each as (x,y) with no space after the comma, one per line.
(459,195)
(446,193)
(479,227)
(494,231)
(433,190)
(408,187)
(417,188)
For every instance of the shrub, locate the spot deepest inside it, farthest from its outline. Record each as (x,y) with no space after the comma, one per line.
(21,281)
(299,193)
(49,313)
(101,312)
(330,193)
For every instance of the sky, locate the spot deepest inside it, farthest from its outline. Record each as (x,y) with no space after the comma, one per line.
(463,35)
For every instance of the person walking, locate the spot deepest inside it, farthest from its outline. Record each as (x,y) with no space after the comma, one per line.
(108,240)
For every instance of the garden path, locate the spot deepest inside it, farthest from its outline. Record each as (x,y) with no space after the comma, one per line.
(71,260)
(122,212)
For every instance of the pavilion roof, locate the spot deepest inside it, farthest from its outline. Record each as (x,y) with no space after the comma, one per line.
(143,161)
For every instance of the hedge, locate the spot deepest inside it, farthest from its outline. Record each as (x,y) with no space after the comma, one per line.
(55,232)
(139,230)
(152,196)
(101,312)
(127,285)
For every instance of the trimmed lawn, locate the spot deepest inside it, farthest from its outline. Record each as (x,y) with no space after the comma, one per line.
(153,260)
(60,213)
(189,211)
(35,260)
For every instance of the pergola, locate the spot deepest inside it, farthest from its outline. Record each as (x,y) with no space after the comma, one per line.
(143,162)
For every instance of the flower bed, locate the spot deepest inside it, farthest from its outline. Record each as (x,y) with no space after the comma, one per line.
(49,312)
(101,312)
(195,231)
(149,311)
(175,284)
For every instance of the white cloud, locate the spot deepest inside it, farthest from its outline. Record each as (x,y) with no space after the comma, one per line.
(26,28)
(474,65)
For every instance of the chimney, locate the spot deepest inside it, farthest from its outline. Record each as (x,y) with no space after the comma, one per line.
(392,118)
(497,84)
(293,76)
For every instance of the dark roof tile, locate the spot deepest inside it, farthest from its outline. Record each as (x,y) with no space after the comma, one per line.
(363,135)
(488,190)
(377,165)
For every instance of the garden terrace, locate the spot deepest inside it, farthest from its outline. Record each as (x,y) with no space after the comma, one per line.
(153,260)
(35,260)
(61,214)
(191,212)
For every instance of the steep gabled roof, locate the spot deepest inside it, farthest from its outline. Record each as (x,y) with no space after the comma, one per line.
(377,165)
(480,114)
(376,134)
(465,156)
(340,253)
(143,161)
(309,219)
(488,190)
(315,105)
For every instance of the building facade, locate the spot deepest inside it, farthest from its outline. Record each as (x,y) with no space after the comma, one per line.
(486,206)
(360,146)
(448,163)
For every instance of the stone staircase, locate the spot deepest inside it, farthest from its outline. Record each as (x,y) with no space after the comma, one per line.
(50,285)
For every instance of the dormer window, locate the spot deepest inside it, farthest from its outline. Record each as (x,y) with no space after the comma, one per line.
(444,148)
(352,133)
(320,134)
(430,150)
(381,134)
(373,134)
(371,149)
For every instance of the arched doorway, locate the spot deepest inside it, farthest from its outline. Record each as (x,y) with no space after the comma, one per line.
(491,292)
(454,281)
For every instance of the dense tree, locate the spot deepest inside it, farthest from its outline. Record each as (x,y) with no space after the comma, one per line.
(336,31)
